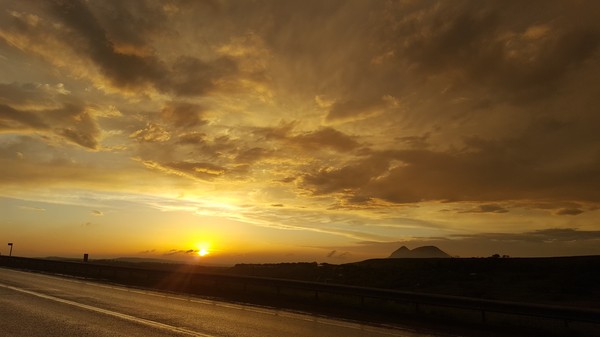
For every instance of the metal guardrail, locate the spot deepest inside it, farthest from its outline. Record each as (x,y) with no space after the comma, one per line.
(525,309)
(187,281)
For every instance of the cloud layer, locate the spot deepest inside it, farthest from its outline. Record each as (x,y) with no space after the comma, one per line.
(456,116)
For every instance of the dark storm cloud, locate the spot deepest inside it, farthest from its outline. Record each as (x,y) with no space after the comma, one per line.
(70,121)
(474,174)
(90,38)
(415,142)
(489,43)
(14,95)
(24,94)
(252,155)
(27,161)
(79,137)
(188,76)
(495,51)
(276,133)
(11,118)
(350,177)
(130,22)
(135,22)
(184,115)
(79,126)
(488,53)
(326,137)
(352,108)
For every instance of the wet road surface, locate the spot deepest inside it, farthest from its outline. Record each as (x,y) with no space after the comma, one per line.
(42,305)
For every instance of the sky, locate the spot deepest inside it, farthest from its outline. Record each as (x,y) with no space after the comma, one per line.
(282,131)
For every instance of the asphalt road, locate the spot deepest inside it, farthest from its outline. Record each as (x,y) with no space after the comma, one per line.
(41,305)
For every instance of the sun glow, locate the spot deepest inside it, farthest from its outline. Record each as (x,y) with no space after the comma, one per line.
(203,248)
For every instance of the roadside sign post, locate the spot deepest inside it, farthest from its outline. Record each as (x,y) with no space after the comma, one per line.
(11,246)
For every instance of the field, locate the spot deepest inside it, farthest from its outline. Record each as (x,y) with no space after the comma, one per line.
(564,281)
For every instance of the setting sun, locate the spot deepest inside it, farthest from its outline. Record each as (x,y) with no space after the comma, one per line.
(203,248)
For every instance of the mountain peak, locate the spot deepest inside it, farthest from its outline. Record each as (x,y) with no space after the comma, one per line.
(419,252)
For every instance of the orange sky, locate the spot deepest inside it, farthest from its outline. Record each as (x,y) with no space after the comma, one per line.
(273,131)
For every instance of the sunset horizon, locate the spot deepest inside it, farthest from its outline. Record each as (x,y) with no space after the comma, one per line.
(224,132)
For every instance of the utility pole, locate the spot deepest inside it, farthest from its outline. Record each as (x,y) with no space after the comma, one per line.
(11,245)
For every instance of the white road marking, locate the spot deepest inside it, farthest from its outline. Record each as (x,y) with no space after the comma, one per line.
(111,313)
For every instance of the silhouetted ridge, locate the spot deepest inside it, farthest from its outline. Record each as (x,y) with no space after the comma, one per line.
(419,252)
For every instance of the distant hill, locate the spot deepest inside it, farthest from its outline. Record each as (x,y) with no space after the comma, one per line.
(419,252)
(114,260)
(127,259)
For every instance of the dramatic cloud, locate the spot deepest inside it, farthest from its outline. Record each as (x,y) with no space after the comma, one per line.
(124,70)
(341,121)
(121,54)
(519,60)
(251,155)
(46,112)
(485,174)
(353,109)
(326,137)
(183,115)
